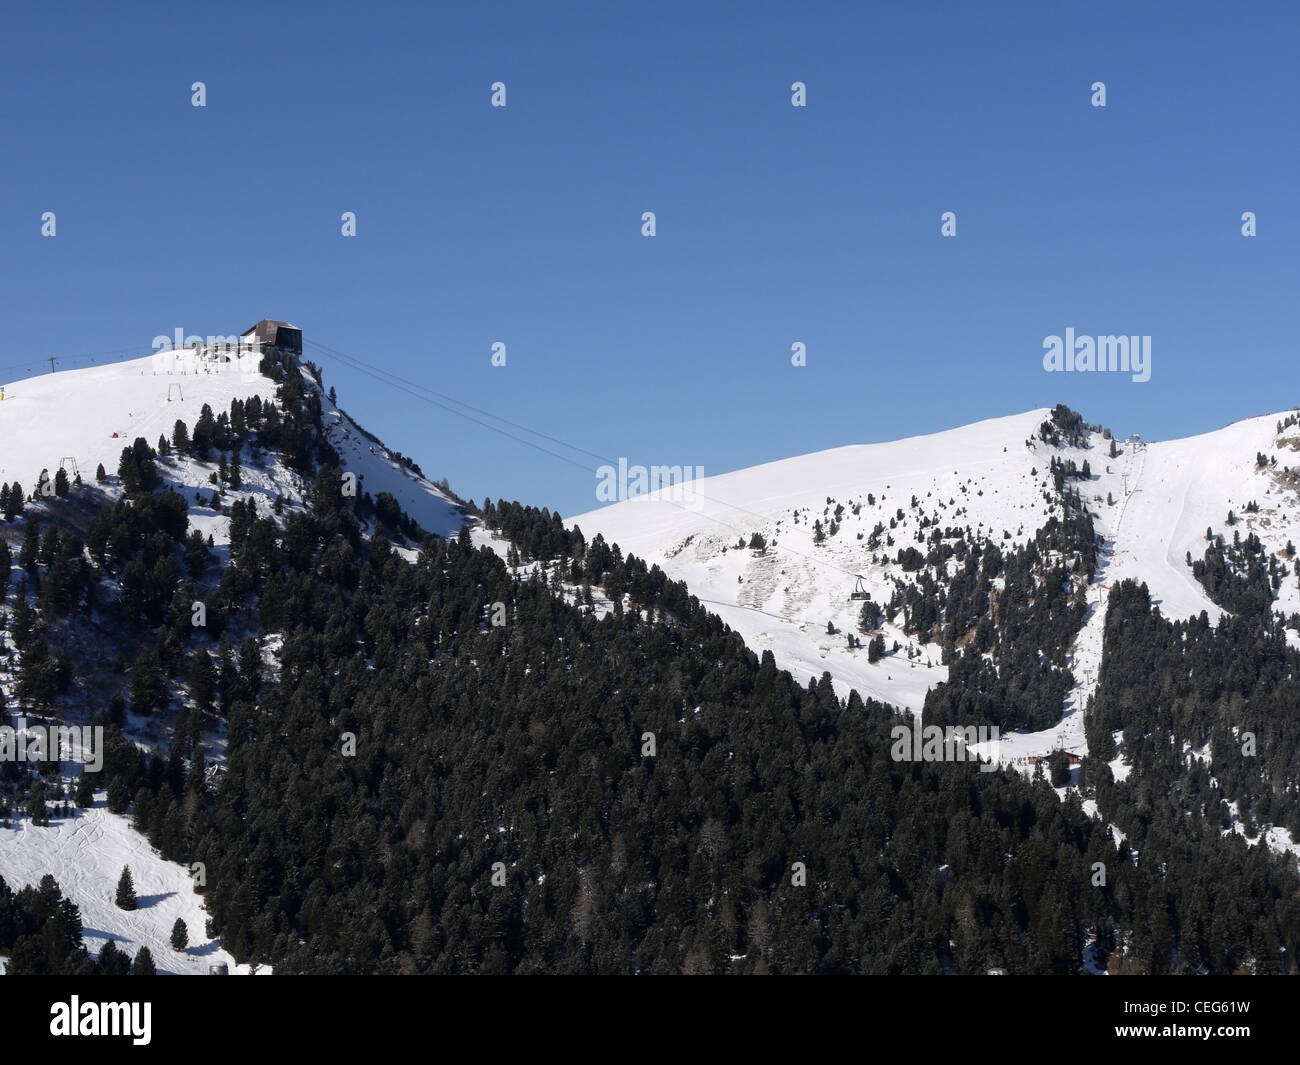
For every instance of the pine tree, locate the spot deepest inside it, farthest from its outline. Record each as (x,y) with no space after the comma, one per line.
(49,546)
(196,551)
(143,964)
(202,680)
(205,432)
(101,475)
(23,626)
(84,796)
(113,961)
(148,683)
(37,812)
(125,890)
(119,795)
(30,550)
(14,505)
(180,935)
(126,472)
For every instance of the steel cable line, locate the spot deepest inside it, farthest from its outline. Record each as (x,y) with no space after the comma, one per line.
(412,388)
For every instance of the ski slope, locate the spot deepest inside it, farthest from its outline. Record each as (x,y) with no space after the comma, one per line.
(994,473)
(1176,490)
(1189,485)
(90,415)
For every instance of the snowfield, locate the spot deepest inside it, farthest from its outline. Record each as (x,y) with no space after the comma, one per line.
(990,476)
(85,852)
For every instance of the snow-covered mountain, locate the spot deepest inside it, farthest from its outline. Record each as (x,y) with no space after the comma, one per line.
(1151,503)
(78,420)
(90,415)
(776,551)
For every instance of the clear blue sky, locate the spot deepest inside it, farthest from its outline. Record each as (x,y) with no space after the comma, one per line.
(775,224)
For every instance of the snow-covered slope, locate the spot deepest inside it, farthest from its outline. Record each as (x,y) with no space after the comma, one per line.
(85,853)
(1183,487)
(90,415)
(86,417)
(378,471)
(990,476)
(1167,495)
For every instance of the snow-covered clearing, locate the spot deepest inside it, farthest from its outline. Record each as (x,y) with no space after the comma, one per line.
(85,852)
